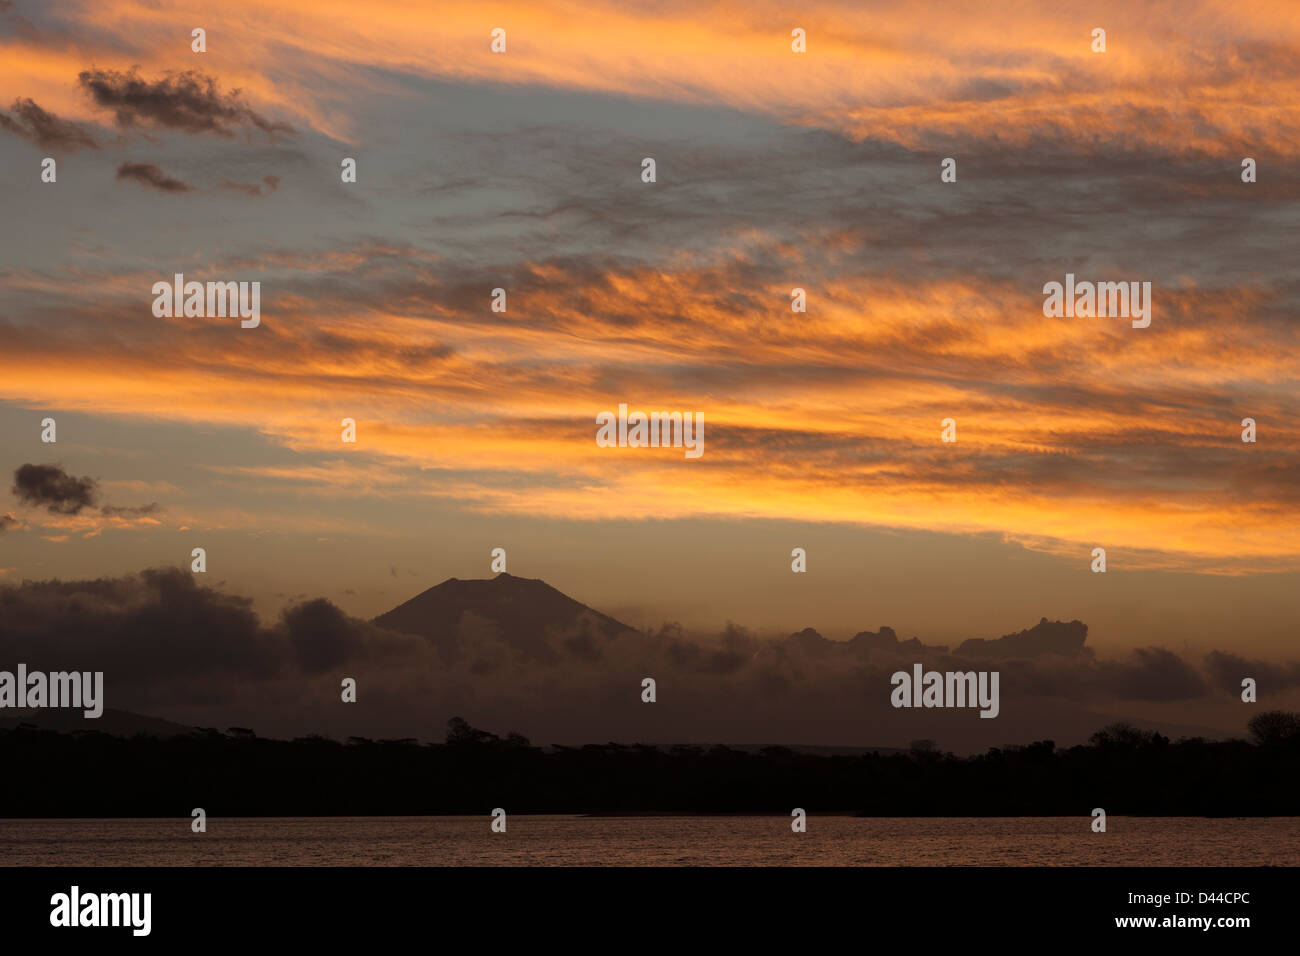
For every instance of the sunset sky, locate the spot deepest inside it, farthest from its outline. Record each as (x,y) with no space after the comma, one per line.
(775,170)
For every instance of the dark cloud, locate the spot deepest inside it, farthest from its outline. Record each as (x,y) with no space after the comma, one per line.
(173,648)
(322,635)
(1155,674)
(1045,637)
(45,129)
(1227,671)
(165,641)
(268,185)
(887,640)
(140,629)
(189,101)
(322,638)
(147,174)
(52,488)
(7,521)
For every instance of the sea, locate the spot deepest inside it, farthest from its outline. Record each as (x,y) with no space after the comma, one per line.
(555,840)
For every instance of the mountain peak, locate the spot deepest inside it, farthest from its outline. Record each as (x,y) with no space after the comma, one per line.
(525,613)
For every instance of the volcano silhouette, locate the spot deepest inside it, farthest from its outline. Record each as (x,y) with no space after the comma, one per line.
(525,613)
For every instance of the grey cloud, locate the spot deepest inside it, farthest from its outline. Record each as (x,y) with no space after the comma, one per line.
(52,488)
(1227,671)
(46,130)
(190,101)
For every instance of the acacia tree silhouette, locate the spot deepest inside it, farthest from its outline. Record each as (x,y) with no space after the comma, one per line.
(1274,727)
(461,734)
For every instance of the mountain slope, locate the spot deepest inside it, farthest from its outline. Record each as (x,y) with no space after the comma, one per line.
(120,723)
(524,613)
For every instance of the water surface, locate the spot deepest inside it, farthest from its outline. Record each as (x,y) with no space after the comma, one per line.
(653,841)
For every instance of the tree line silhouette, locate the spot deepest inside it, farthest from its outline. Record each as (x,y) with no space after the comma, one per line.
(1122,769)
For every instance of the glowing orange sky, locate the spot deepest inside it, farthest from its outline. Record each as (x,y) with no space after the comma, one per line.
(1072,433)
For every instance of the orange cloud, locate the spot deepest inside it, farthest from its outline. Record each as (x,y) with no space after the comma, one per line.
(830,416)
(1184,77)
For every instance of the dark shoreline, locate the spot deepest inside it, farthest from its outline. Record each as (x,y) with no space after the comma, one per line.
(1125,771)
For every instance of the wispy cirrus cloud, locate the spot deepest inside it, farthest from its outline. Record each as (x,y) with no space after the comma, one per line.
(873,71)
(831,416)
(777,170)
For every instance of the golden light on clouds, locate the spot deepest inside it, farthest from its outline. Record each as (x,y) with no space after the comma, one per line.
(1071,432)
